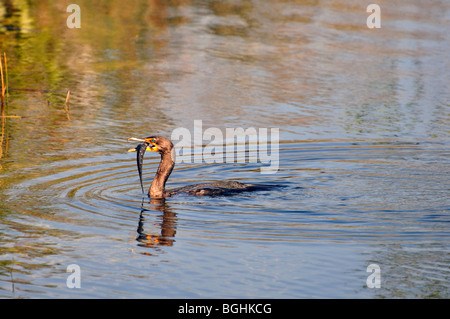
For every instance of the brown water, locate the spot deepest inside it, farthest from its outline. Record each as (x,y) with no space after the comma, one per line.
(364,149)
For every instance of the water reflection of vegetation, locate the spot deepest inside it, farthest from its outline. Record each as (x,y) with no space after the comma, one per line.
(49,56)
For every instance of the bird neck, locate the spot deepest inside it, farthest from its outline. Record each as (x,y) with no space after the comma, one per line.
(162,174)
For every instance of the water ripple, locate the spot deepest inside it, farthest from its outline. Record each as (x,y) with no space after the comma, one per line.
(322,197)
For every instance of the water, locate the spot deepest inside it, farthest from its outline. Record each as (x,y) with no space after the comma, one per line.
(363,162)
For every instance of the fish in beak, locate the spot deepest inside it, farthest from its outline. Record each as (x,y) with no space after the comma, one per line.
(149,141)
(147,144)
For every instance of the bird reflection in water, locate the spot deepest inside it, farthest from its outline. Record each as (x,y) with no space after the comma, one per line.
(167,226)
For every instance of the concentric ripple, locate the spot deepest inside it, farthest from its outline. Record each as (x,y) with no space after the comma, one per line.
(350,192)
(100,193)
(320,196)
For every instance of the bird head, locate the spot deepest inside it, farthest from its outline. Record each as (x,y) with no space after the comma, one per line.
(158,144)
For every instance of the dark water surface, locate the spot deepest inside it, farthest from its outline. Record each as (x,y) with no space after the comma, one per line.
(364,123)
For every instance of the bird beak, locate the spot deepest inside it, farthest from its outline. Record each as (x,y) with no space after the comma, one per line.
(151,147)
(136,139)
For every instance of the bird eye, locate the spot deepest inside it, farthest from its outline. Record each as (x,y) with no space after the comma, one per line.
(153,140)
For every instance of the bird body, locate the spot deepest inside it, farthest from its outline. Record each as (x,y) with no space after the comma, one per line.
(157,189)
